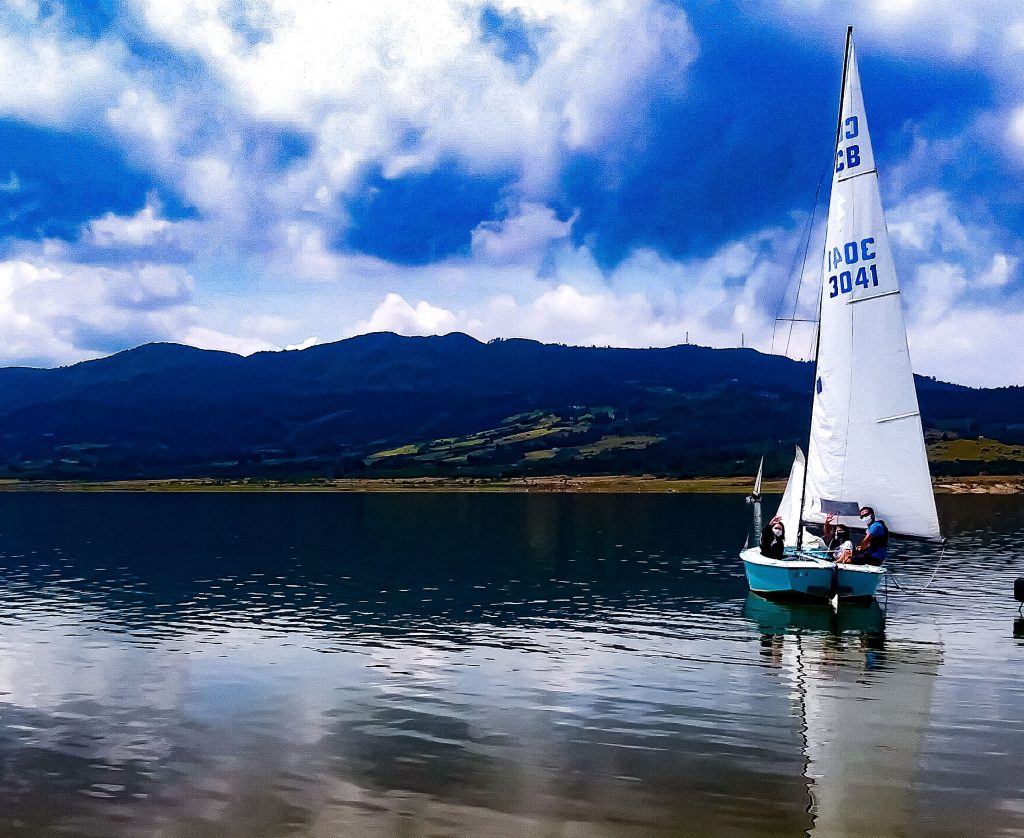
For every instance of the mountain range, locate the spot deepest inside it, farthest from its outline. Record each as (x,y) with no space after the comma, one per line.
(381,404)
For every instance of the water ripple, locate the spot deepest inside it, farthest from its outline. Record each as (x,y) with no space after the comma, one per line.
(450,665)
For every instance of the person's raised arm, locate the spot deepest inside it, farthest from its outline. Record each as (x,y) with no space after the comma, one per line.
(828,527)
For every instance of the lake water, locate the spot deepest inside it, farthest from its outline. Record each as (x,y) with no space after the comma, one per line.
(476,665)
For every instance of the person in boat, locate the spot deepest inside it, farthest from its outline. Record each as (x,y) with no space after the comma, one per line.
(874,547)
(837,540)
(773,539)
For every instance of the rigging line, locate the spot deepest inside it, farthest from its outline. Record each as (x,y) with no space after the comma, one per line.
(803,264)
(789,278)
(814,340)
(927,585)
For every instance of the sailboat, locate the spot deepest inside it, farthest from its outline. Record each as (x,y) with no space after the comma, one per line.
(755,496)
(866,443)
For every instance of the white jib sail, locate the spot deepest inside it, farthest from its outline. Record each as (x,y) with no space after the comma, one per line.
(789,506)
(866,444)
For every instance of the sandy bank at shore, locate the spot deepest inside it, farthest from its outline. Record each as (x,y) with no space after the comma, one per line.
(986,484)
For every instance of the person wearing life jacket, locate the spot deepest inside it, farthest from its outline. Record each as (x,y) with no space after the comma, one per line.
(874,547)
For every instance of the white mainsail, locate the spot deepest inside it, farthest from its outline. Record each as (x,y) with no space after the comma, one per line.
(757,480)
(866,444)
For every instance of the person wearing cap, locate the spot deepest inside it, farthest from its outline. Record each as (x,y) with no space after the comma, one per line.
(773,539)
(837,540)
(874,547)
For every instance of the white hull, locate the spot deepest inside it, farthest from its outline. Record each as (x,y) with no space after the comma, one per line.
(804,575)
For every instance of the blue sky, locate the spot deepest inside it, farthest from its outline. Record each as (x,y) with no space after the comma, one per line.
(259,174)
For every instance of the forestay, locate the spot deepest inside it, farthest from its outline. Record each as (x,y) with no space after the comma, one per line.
(866,444)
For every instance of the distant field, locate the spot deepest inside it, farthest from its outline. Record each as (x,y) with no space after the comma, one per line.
(973,450)
(521,440)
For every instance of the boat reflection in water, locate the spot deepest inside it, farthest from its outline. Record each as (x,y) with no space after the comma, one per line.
(777,618)
(863,702)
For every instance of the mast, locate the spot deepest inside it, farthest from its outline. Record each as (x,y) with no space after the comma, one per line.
(821,290)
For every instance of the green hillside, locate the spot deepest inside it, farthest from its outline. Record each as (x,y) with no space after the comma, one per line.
(383,405)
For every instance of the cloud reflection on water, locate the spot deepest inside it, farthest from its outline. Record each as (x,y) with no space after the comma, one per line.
(296,664)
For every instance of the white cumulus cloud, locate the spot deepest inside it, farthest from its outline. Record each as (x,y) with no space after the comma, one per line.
(521,237)
(52,80)
(394,314)
(145,227)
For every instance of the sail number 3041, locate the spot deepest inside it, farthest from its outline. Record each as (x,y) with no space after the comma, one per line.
(860,257)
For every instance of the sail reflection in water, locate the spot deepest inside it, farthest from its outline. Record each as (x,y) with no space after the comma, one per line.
(864,707)
(482,664)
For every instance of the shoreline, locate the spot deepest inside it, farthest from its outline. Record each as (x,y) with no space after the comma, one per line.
(981,484)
